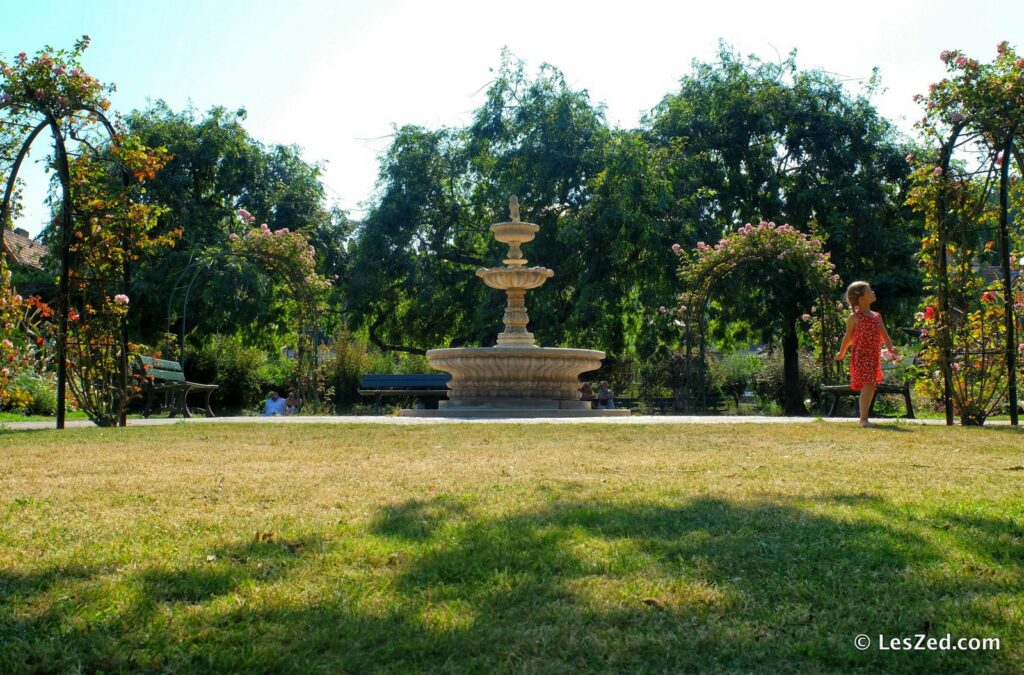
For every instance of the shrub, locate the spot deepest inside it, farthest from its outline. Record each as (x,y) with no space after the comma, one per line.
(735,373)
(41,391)
(242,373)
(768,380)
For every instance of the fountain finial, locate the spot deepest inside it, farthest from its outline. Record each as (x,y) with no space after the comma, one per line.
(513,209)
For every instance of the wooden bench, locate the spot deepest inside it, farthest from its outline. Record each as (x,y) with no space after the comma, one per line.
(167,377)
(431,385)
(840,390)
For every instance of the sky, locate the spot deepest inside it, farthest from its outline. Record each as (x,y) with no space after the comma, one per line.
(336,76)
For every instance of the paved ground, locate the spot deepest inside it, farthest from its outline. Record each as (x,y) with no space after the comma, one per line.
(389,419)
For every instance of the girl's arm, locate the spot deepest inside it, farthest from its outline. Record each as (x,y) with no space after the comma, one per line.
(885,336)
(848,338)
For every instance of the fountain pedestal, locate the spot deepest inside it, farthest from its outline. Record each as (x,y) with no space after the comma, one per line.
(515,378)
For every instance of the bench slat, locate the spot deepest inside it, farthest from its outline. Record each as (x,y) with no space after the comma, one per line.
(161,364)
(166,375)
(415,381)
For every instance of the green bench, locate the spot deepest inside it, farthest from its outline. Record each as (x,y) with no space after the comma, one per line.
(838,391)
(161,376)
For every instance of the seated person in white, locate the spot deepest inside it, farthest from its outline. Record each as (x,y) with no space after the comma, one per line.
(274,405)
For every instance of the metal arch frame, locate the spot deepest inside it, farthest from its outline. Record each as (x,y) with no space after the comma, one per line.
(952,142)
(695,317)
(64,173)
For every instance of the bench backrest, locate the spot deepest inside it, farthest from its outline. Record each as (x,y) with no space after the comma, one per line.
(162,370)
(415,381)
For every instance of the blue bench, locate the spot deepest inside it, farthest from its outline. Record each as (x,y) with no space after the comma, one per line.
(432,385)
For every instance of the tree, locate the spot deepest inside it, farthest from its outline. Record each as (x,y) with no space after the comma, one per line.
(216,169)
(411,280)
(745,139)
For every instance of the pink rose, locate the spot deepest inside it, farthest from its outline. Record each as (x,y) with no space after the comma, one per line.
(121,299)
(233,237)
(937,171)
(805,317)
(677,249)
(961,61)
(662,309)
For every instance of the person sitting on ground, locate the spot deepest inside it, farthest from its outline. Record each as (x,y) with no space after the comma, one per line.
(274,405)
(587,394)
(605,396)
(292,403)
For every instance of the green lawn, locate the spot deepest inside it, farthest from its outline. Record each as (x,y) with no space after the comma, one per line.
(483,548)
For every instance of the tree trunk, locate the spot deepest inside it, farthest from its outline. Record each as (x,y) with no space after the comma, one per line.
(792,394)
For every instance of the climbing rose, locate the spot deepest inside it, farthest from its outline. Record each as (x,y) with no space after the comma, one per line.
(121,299)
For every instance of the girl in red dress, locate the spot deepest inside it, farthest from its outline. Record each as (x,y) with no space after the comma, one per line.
(866,333)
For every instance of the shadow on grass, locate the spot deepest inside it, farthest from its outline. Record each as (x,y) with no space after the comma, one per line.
(703,584)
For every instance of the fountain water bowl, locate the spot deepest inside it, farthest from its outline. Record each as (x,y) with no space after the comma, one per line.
(515,378)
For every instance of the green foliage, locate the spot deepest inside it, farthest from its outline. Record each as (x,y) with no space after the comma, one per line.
(244,374)
(216,169)
(41,392)
(734,373)
(411,282)
(745,138)
(769,381)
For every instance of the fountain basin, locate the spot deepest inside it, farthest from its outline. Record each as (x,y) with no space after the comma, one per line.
(514,382)
(504,278)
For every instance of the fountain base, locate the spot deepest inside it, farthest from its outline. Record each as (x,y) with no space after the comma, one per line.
(509,381)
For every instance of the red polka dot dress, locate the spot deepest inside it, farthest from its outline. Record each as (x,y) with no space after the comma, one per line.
(866,356)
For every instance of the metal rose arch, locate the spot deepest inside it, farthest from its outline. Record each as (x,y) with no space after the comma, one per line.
(52,92)
(783,255)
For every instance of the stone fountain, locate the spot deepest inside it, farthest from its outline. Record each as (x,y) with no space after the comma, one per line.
(514,378)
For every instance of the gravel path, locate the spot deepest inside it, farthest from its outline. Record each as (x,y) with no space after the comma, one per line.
(389,419)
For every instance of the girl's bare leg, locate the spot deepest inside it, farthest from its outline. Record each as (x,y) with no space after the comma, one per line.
(867,393)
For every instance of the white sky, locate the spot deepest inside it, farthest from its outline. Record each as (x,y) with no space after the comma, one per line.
(333,77)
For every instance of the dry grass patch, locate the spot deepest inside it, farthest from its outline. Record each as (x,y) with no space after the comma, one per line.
(508,548)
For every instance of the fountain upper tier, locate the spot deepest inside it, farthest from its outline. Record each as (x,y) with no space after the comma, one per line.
(505,278)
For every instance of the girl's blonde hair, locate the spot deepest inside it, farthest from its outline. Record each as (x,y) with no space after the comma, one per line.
(854,291)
